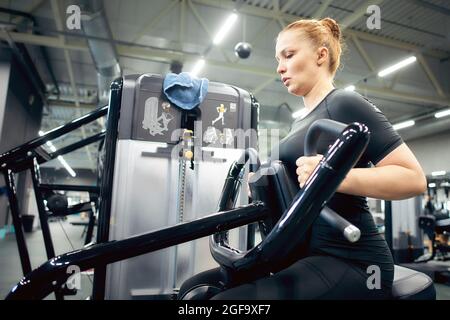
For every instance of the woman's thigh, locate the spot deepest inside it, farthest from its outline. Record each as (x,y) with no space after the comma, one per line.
(315,277)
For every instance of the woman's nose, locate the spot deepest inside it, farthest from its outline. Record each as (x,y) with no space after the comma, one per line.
(281,68)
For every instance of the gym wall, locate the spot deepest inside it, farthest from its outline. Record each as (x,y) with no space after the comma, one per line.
(425,151)
(20,117)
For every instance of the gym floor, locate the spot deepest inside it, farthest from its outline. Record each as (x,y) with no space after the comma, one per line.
(67,237)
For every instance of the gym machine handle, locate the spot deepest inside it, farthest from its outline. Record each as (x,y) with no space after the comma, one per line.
(349,231)
(318,127)
(334,128)
(289,234)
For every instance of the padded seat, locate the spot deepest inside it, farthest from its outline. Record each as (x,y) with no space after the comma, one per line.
(408,285)
(412,285)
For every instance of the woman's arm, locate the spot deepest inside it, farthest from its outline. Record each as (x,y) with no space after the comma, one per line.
(397,176)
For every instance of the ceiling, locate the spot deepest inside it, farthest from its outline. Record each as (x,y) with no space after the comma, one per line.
(148,35)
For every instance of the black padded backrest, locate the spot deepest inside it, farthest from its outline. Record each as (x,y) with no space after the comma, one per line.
(284,186)
(276,189)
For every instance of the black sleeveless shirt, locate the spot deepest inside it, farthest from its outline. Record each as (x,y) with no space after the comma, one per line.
(347,107)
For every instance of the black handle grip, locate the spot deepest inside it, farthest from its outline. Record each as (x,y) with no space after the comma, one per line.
(349,231)
(316,129)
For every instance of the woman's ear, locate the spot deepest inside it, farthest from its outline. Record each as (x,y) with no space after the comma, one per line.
(322,55)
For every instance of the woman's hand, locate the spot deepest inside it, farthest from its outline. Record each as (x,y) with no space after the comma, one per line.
(305,166)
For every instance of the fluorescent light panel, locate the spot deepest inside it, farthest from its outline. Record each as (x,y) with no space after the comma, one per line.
(438,173)
(60,158)
(226,27)
(66,165)
(197,67)
(397,66)
(442,114)
(350,88)
(403,125)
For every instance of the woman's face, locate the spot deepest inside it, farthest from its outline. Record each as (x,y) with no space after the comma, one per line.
(297,62)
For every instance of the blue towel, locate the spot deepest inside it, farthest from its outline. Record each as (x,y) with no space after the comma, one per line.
(184,90)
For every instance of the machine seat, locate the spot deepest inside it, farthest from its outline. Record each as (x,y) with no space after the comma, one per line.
(412,285)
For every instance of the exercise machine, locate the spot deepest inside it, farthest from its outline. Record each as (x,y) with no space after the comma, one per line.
(28,157)
(283,235)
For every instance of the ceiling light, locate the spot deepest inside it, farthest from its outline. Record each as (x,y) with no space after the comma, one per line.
(442,114)
(225,28)
(197,67)
(432,185)
(350,88)
(66,165)
(396,66)
(403,125)
(60,158)
(438,173)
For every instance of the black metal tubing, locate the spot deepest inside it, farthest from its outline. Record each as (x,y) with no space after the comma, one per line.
(388,225)
(42,155)
(17,221)
(68,187)
(43,218)
(316,129)
(76,208)
(7,158)
(334,128)
(27,157)
(77,145)
(106,187)
(288,235)
(50,250)
(53,274)
(90,228)
(230,192)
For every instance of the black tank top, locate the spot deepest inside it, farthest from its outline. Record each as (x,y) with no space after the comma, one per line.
(347,107)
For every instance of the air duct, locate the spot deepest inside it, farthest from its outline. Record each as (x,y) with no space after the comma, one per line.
(96,27)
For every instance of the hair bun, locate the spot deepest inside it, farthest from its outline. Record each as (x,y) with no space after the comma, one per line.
(333,26)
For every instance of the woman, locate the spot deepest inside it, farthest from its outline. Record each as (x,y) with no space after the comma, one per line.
(308,54)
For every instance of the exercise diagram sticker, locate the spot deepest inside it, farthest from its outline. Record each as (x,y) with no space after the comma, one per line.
(221,110)
(154,124)
(211,135)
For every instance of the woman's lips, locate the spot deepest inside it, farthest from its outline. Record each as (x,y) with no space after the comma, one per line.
(286,80)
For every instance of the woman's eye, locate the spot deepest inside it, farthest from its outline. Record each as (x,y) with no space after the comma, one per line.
(289,55)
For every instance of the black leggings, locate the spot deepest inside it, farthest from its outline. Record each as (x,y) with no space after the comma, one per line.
(314,277)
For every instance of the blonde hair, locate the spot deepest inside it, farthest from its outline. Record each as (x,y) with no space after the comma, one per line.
(324,32)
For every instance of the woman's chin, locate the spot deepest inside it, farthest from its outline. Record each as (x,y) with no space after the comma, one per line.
(295,91)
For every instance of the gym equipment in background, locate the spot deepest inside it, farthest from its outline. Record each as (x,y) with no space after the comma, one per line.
(29,156)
